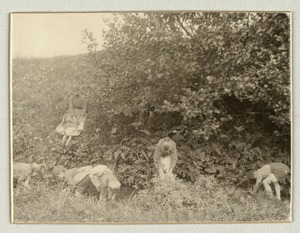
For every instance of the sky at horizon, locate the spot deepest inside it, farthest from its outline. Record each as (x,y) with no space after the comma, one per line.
(35,35)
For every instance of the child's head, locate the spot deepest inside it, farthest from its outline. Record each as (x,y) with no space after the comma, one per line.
(59,171)
(38,169)
(251,174)
(255,174)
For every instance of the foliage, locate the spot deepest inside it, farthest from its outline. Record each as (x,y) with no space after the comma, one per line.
(208,62)
(227,76)
(222,80)
(229,158)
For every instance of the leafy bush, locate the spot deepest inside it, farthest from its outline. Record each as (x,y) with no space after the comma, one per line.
(227,76)
(208,62)
(220,79)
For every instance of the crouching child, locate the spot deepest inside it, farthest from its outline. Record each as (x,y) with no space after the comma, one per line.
(276,173)
(22,173)
(90,181)
(105,182)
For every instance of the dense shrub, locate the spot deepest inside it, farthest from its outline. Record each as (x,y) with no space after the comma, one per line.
(218,68)
(227,76)
(220,79)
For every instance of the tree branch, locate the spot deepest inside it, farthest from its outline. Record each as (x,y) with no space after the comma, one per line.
(183,27)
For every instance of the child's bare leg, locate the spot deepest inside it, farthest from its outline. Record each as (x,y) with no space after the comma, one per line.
(103,194)
(113,196)
(78,194)
(270,179)
(69,139)
(64,139)
(161,174)
(26,183)
(170,175)
(109,194)
(277,190)
(266,183)
(17,191)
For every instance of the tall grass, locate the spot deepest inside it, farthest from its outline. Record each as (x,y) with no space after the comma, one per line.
(171,201)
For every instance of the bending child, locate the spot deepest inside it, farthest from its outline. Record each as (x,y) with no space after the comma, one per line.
(271,173)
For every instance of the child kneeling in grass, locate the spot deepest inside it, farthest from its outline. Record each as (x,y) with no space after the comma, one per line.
(271,173)
(90,180)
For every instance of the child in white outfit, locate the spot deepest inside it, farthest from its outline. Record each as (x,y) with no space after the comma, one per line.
(272,173)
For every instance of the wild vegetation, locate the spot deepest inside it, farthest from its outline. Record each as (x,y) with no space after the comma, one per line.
(206,200)
(221,80)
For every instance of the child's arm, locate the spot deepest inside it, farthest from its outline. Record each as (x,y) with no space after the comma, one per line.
(257,186)
(71,107)
(83,107)
(258,183)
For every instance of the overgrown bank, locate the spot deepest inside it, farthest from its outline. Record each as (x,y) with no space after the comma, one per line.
(220,80)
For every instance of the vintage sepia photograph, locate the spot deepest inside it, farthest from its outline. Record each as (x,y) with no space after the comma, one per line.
(150,117)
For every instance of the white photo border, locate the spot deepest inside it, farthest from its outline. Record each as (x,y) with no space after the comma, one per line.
(141,5)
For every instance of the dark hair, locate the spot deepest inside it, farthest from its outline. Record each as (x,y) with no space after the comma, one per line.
(250,174)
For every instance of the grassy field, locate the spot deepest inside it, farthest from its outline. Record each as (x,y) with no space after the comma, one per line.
(175,201)
(41,88)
